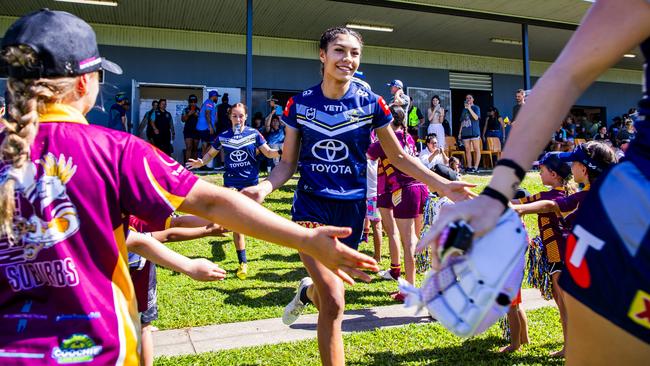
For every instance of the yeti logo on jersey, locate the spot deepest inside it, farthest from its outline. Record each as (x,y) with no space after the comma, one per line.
(310,113)
(238,156)
(330,151)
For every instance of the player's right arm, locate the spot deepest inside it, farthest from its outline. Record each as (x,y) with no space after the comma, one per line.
(197,163)
(283,171)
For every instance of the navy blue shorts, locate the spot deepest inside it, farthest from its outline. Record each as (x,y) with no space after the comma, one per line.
(607,265)
(204,135)
(312,211)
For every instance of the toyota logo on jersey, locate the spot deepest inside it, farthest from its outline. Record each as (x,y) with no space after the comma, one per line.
(330,150)
(238,156)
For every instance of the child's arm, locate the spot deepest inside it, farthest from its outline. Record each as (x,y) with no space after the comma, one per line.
(197,163)
(537,207)
(188,233)
(199,269)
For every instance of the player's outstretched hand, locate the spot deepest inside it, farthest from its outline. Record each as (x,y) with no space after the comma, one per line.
(256,193)
(202,269)
(194,164)
(345,262)
(481,213)
(458,191)
(216,230)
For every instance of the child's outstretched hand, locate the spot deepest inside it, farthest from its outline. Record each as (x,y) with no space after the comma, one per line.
(201,269)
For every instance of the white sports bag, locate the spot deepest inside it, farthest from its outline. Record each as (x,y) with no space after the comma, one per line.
(473,289)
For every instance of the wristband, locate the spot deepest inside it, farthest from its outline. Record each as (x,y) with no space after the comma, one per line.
(493,193)
(519,171)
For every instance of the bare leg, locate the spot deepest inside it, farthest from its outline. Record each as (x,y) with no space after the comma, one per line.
(392,232)
(188,149)
(376,239)
(147,345)
(419,224)
(559,300)
(468,153)
(328,295)
(515,331)
(477,152)
(409,240)
(523,326)
(240,241)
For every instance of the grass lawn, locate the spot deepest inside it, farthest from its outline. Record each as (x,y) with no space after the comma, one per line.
(427,344)
(273,275)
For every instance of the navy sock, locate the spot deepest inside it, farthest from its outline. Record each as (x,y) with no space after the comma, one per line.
(241,256)
(303,296)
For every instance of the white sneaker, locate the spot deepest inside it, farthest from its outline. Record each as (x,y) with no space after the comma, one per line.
(293,310)
(385,274)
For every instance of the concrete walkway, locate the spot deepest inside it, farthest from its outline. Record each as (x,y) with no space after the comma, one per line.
(271,331)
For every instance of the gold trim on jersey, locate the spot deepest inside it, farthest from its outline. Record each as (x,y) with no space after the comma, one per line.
(57,112)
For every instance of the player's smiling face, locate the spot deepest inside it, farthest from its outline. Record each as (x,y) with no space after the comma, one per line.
(342,58)
(238,118)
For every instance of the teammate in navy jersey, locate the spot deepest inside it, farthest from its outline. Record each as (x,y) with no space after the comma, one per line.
(327,135)
(607,278)
(240,146)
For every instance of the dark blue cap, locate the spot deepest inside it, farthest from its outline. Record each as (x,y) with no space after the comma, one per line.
(552,161)
(64,43)
(213,93)
(397,83)
(581,155)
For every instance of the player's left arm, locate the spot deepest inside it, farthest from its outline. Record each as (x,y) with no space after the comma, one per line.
(457,190)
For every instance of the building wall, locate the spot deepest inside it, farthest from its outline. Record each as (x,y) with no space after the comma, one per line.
(284,73)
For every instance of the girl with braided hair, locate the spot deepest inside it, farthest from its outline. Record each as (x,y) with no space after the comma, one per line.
(65,291)
(401,202)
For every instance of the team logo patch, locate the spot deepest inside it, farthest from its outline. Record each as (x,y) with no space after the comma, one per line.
(362,93)
(307,93)
(384,106)
(238,156)
(76,349)
(330,150)
(288,107)
(310,113)
(640,309)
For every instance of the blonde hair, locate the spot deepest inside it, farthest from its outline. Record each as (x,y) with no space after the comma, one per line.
(28,99)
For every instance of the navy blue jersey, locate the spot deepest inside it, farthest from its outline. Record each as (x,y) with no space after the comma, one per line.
(240,149)
(335,135)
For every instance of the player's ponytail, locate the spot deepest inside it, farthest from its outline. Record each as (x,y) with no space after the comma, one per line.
(28,98)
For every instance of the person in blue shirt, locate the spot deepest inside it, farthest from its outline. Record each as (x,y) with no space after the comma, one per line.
(470,133)
(240,146)
(117,113)
(205,126)
(275,107)
(274,132)
(327,136)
